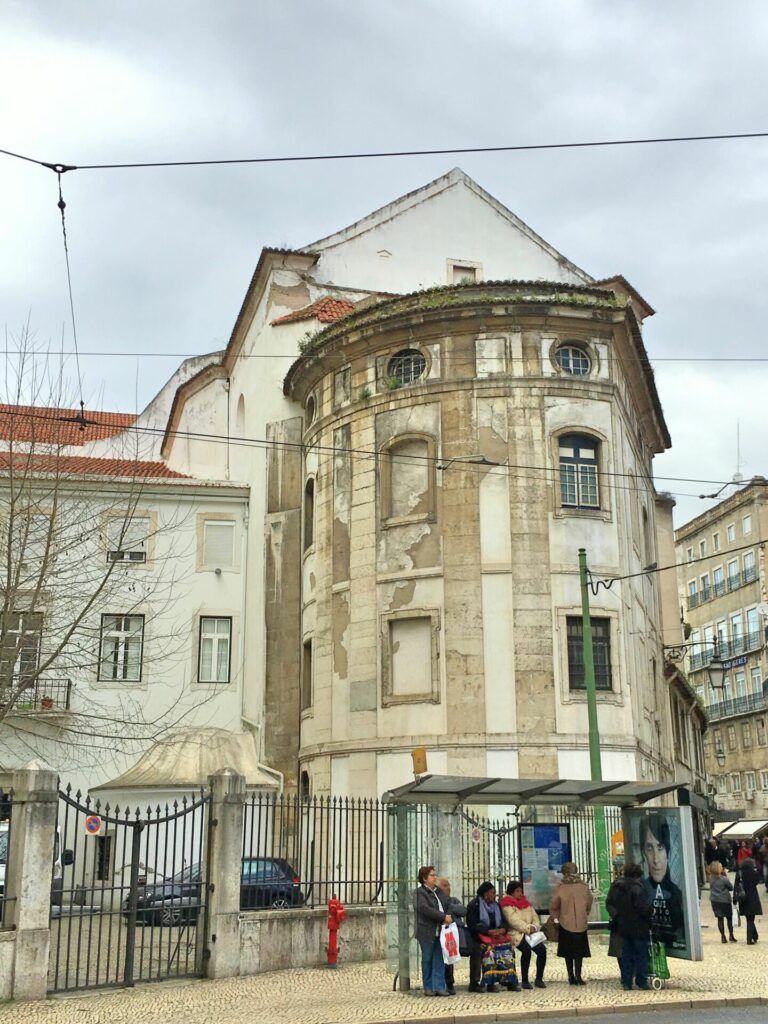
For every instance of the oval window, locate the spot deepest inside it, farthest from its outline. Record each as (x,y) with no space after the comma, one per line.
(407,366)
(574,360)
(311,409)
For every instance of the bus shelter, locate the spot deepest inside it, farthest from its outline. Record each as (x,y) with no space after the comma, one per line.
(442,820)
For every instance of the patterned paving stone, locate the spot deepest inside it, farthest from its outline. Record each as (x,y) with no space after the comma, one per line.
(363,993)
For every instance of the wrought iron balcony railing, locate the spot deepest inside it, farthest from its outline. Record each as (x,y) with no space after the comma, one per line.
(44,695)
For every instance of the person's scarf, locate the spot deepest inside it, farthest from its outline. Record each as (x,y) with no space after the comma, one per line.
(519,902)
(488,909)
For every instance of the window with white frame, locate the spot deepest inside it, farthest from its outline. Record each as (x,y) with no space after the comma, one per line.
(689,554)
(748,560)
(735,782)
(733,572)
(692,588)
(756,677)
(702,547)
(715,541)
(731,533)
(746,735)
(121,648)
(746,525)
(20,651)
(573,359)
(749,782)
(727,689)
(760,731)
(732,744)
(736,630)
(704,579)
(720,783)
(218,544)
(741,684)
(215,649)
(764,779)
(127,539)
(718,581)
(579,470)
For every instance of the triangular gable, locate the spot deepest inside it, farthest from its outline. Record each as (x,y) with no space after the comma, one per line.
(407,202)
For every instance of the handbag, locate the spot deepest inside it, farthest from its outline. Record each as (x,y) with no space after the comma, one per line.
(449,943)
(535,939)
(657,960)
(551,929)
(739,893)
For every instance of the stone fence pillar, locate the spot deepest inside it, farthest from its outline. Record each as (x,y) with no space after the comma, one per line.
(28,878)
(227,811)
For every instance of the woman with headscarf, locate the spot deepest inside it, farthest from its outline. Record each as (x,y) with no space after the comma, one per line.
(493,957)
(522,920)
(667,899)
(570,906)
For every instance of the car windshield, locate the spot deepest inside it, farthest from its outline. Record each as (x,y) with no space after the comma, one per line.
(189,874)
(3,847)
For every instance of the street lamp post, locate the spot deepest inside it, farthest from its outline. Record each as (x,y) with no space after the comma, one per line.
(595,761)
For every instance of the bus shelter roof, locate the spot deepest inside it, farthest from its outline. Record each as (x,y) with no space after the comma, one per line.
(459,789)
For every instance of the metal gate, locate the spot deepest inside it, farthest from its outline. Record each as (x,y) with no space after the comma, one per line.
(130,893)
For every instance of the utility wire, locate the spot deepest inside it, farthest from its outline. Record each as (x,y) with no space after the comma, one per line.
(363,453)
(62,207)
(282,355)
(61,168)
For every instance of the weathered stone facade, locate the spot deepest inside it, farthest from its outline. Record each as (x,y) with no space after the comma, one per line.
(443,565)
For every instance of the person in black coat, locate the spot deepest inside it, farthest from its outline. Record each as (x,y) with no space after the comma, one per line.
(749,904)
(631,910)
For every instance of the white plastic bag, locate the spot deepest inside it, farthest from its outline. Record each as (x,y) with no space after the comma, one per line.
(735,917)
(535,939)
(449,943)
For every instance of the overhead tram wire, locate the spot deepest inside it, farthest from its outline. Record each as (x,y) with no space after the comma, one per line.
(369,454)
(62,168)
(62,207)
(45,353)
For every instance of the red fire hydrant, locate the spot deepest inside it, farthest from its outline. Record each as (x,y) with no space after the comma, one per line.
(336,914)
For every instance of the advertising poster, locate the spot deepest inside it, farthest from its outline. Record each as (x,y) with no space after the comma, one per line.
(660,840)
(544,848)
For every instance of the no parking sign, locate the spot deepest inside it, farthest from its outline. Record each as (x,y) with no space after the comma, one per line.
(92,825)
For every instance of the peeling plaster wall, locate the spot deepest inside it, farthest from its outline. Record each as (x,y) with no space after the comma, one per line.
(490,560)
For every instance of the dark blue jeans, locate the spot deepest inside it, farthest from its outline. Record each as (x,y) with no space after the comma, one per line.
(633,962)
(432,966)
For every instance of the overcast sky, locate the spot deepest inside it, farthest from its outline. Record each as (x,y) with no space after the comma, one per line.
(161,258)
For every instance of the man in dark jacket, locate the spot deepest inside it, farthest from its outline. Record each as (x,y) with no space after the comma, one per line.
(631,913)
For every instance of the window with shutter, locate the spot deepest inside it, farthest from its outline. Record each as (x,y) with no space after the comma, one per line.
(219,545)
(127,539)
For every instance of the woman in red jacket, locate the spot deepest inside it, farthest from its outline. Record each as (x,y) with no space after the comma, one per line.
(745,851)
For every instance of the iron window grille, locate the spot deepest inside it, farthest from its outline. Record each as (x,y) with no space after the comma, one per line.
(406,367)
(121,648)
(573,360)
(215,650)
(579,484)
(601,649)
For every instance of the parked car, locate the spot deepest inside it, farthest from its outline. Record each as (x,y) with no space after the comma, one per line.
(266,883)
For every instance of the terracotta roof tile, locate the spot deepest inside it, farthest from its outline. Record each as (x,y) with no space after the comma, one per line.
(66,465)
(46,425)
(327,310)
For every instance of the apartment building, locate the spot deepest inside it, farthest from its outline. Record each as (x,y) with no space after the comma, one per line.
(722,586)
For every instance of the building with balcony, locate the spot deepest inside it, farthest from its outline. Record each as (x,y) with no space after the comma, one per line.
(722,592)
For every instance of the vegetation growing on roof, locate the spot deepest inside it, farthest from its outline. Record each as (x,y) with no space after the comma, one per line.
(467,294)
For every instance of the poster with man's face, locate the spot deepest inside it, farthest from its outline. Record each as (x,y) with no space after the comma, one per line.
(660,840)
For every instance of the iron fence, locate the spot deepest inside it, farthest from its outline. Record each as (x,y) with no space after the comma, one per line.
(6,818)
(300,852)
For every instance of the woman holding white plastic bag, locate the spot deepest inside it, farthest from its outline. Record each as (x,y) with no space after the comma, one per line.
(523,925)
(429,902)
(458,912)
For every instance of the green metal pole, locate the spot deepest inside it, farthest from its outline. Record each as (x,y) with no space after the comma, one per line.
(595,763)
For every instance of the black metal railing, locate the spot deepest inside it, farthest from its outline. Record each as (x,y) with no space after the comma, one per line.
(300,852)
(737,706)
(734,648)
(45,695)
(733,582)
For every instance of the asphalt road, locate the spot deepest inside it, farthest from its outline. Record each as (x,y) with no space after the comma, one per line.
(722,1014)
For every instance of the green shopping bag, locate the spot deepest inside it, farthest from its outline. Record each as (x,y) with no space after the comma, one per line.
(657,960)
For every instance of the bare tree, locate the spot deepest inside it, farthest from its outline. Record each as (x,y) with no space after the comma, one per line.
(91,568)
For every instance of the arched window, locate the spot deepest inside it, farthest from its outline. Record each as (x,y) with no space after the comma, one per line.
(304,787)
(408,479)
(579,471)
(309,513)
(240,417)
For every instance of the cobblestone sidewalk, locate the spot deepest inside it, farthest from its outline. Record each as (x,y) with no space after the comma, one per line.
(363,992)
